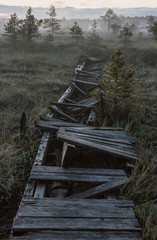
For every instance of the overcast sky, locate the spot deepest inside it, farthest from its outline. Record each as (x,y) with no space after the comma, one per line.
(82,3)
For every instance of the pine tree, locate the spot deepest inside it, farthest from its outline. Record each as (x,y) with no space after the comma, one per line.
(11,29)
(153,29)
(150,21)
(94,27)
(110,17)
(115,28)
(94,38)
(52,23)
(30,27)
(125,34)
(76,32)
(115,86)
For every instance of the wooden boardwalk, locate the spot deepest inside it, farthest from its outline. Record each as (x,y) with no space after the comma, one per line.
(73,189)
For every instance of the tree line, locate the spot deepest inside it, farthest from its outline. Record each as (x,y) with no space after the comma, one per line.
(28,28)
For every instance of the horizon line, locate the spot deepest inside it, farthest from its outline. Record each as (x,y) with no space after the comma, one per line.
(77,8)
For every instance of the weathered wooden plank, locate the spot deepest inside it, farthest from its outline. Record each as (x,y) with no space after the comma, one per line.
(117,143)
(51,125)
(66,147)
(70,100)
(109,140)
(40,190)
(101,128)
(104,132)
(98,132)
(79,171)
(76,224)
(58,111)
(46,176)
(97,146)
(88,101)
(88,73)
(101,189)
(67,93)
(91,211)
(80,235)
(83,135)
(71,105)
(79,89)
(78,202)
(86,82)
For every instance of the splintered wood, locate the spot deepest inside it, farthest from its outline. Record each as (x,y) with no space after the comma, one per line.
(66,202)
(109,141)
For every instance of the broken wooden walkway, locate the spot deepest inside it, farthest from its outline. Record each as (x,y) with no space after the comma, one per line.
(73,189)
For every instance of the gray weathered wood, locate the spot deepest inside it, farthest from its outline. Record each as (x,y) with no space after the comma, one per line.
(76,224)
(78,202)
(58,111)
(79,171)
(86,82)
(79,235)
(71,105)
(101,189)
(127,155)
(88,73)
(79,89)
(52,125)
(69,100)
(65,147)
(63,210)
(116,142)
(66,177)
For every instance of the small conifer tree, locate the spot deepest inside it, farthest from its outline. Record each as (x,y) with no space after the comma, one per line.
(125,35)
(150,21)
(109,18)
(11,29)
(52,23)
(94,38)
(30,27)
(76,32)
(153,29)
(115,88)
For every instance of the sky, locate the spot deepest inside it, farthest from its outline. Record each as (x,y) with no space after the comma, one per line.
(82,3)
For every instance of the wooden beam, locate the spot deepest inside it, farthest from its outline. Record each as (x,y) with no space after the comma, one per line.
(88,73)
(101,189)
(79,89)
(69,100)
(58,111)
(71,105)
(86,82)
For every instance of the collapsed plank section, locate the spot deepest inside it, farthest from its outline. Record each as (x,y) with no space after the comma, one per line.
(109,141)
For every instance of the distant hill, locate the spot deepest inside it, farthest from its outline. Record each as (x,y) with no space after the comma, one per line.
(73,13)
